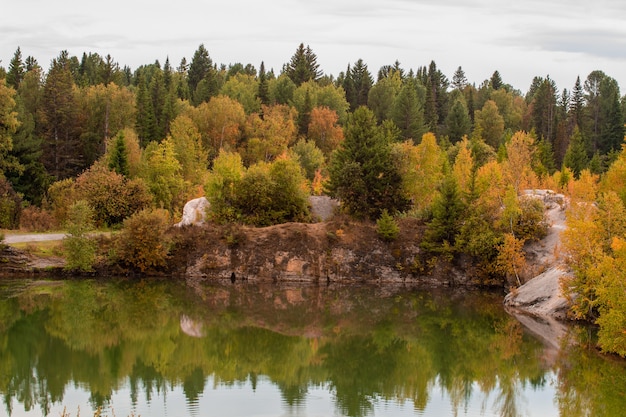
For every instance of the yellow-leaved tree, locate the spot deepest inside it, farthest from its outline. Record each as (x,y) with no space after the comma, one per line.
(421,167)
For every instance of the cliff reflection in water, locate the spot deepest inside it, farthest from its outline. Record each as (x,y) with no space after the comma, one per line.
(364,345)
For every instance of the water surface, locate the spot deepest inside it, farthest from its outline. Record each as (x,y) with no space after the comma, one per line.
(165,349)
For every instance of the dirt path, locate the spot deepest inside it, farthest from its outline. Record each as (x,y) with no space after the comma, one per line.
(32,237)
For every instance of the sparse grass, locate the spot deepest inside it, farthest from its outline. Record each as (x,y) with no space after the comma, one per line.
(44,249)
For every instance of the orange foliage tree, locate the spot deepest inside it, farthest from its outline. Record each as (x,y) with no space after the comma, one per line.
(324,129)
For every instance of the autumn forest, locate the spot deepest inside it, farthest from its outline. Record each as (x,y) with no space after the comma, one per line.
(88,143)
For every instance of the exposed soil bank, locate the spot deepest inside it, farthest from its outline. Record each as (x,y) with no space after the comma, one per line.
(339,250)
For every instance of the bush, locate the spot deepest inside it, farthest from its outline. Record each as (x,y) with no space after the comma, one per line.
(531,224)
(34,219)
(10,205)
(61,195)
(112,196)
(262,195)
(386,227)
(80,249)
(142,243)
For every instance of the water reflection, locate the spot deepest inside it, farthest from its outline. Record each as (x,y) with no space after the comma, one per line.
(361,350)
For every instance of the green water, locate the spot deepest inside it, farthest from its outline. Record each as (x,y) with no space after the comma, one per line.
(166,349)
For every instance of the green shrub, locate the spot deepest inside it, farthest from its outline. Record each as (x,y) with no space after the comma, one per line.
(112,196)
(80,249)
(142,243)
(531,224)
(386,227)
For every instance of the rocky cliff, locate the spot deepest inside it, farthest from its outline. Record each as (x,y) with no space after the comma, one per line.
(339,250)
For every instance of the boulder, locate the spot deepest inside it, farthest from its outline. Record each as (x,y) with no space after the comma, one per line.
(194,212)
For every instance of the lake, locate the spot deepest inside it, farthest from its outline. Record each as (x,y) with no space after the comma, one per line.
(158,348)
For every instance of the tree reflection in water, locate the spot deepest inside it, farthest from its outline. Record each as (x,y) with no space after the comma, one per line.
(368,346)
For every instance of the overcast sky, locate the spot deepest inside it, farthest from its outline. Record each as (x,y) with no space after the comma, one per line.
(521,39)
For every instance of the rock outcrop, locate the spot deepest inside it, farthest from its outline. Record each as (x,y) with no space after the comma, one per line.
(339,250)
(539,304)
(194,212)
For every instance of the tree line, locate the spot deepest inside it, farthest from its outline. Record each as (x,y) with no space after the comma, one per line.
(58,122)
(257,143)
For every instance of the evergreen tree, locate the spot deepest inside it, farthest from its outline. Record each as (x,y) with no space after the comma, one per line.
(383,94)
(182,86)
(544,110)
(577,104)
(208,87)
(459,80)
(32,180)
(445,224)
(303,66)
(109,71)
(200,65)
(577,157)
(360,83)
(611,134)
(15,73)
(159,97)
(407,112)
(264,91)
(470,105)
(62,155)
(458,121)
(145,122)
(167,74)
(592,107)
(31,63)
(118,159)
(544,162)
(496,81)
(362,171)
(435,108)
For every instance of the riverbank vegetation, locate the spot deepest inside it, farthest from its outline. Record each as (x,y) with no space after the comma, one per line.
(135,145)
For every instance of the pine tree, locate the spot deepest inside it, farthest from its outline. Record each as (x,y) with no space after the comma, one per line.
(496,81)
(145,120)
(458,121)
(15,73)
(459,80)
(303,66)
(201,63)
(407,112)
(32,180)
(361,84)
(544,105)
(577,156)
(182,87)
(435,107)
(577,104)
(118,159)
(62,155)
(445,224)
(592,108)
(362,171)
(263,92)
(159,96)
(611,134)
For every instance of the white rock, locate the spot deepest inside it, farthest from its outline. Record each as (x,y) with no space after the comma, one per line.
(194,212)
